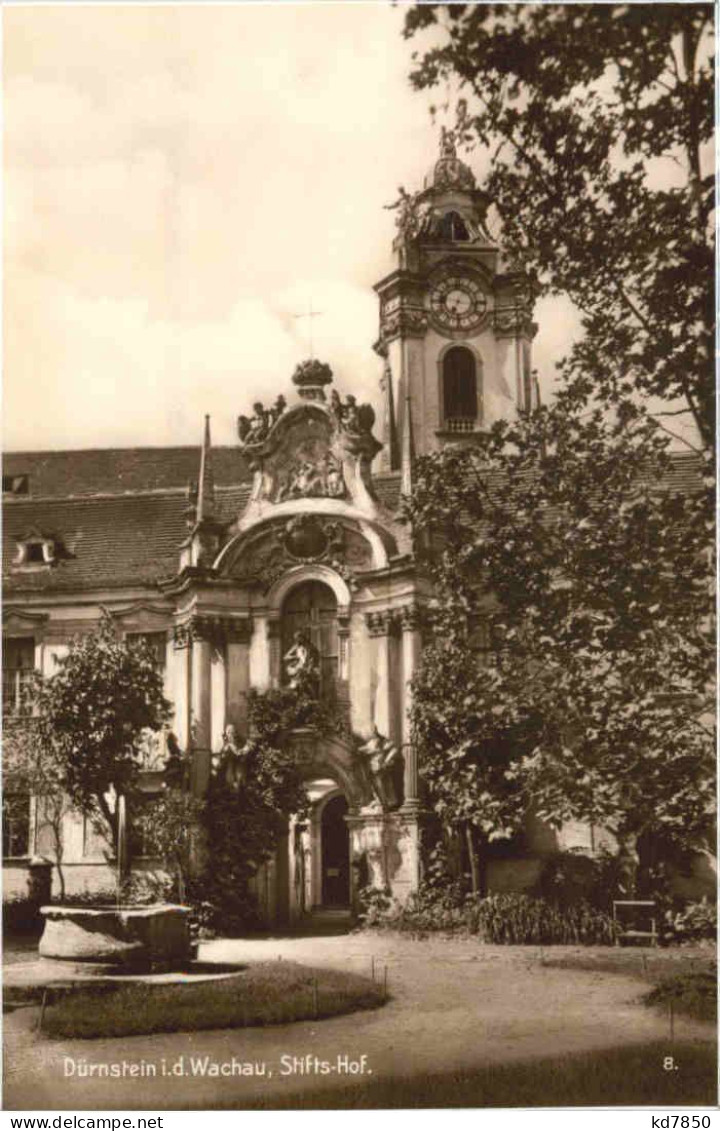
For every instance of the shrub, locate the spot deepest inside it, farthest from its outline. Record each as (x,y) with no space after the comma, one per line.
(569,878)
(512,919)
(696,922)
(694,994)
(516,919)
(376,907)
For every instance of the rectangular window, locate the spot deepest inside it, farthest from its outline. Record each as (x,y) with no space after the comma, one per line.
(18,663)
(16,824)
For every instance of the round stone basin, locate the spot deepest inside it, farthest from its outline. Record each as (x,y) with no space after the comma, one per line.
(124,937)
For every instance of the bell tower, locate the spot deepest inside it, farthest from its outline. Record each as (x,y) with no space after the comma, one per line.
(455,323)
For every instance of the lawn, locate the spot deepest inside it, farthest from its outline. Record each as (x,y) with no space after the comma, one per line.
(629,1076)
(268,993)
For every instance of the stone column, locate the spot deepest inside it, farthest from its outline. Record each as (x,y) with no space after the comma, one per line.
(411,644)
(382,626)
(259,654)
(200,704)
(343,623)
(181,663)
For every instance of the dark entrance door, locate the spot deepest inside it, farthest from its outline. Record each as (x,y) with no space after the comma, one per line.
(335,852)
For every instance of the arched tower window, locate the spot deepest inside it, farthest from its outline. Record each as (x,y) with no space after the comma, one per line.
(311,608)
(460,393)
(453,227)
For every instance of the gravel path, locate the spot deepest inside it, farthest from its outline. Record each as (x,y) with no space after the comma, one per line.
(455,1005)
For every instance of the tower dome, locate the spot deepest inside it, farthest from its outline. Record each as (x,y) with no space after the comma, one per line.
(449,171)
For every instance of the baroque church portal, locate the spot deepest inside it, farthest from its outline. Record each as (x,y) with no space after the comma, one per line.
(287,552)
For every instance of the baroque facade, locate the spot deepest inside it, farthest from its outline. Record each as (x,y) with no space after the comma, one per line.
(288,546)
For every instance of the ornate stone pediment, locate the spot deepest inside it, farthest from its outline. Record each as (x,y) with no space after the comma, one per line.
(264,555)
(319,449)
(303,459)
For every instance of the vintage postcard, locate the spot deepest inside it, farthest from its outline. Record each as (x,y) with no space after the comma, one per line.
(358,577)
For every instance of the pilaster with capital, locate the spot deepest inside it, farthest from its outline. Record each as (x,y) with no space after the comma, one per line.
(409,616)
(343,628)
(382,626)
(200,707)
(238,677)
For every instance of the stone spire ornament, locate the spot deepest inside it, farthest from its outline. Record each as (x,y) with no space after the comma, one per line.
(206,484)
(310,378)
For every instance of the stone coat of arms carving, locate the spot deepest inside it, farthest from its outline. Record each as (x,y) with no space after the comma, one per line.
(318,449)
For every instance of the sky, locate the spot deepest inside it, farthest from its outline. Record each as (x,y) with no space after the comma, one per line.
(179,183)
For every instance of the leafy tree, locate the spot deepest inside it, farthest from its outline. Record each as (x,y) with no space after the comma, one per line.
(598,120)
(587,579)
(91,720)
(254,789)
(33,768)
(169,827)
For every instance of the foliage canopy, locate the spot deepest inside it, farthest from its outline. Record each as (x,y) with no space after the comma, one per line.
(92,716)
(569,667)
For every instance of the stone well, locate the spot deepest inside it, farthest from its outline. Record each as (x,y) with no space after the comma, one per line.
(118,937)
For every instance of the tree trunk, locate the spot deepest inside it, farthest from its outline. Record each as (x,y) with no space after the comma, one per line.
(58,838)
(627,864)
(473,857)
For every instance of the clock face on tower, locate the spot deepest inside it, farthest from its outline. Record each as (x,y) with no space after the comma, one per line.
(457,302)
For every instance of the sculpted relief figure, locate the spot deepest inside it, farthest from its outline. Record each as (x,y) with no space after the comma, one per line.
(408,213)
(447,143)
(309,479)
(350,417)
(380,757)
(301,663)
(334,482)
(255,429)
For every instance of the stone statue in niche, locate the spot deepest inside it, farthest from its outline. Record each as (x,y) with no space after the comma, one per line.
(380,757)
(301,664)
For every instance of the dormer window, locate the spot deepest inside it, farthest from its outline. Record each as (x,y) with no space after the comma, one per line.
(16,484)
(461,396)
(35,551)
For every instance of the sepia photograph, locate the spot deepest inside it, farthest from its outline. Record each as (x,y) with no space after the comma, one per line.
(358,576)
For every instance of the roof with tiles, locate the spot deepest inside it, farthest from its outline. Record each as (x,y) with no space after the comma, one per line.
(118,515)
(110,541)
(114,471)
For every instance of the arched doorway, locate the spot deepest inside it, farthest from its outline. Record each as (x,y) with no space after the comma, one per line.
(335,853)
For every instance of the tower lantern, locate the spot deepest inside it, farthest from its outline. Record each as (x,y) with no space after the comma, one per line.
(456,323)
